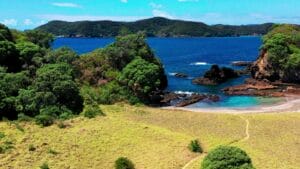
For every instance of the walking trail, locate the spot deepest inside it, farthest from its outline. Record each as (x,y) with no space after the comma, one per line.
(247,136)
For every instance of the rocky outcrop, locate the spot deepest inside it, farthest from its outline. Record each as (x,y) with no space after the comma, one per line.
(181,75)
(180,100)
(216,76)
(254,87)
(263,69)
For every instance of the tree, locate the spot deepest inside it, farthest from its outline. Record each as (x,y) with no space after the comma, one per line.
(227,157)
(123,163)
(126,48)
(5,34)
(62,55)
(38,37)
(59,80)
(10,85)
(9,56)
(141,76)
(54,86)
(30,54)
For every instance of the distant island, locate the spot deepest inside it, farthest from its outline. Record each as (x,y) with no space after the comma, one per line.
(153,27)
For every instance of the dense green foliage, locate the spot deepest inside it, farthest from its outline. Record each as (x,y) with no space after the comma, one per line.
(282,45)
(35,81)
(141,77)
(157,26)
(123,163)
(9,56)
(126,70)
(195,147)
(226,157)
(92,111)
(5,34)
(46,85)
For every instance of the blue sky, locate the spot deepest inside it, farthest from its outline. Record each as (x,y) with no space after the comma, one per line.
(27,14)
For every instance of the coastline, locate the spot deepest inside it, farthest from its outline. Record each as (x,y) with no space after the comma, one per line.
(291,104)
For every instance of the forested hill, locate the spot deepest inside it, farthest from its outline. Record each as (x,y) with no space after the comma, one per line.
(158,27)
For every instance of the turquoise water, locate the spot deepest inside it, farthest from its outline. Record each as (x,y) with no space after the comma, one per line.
(192,56)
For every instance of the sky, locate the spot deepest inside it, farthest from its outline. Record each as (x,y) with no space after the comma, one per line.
(28,14)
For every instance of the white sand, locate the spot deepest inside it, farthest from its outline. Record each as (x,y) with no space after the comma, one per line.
(291,104)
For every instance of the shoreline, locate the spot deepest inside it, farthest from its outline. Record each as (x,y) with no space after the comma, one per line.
(291,104)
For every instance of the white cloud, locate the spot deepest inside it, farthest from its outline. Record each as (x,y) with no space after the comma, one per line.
(72,18)
(124,1)
(161,13)
(66,4)
(10,22)
(27,22)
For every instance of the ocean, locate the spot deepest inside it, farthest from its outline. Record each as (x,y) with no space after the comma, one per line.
(192,56)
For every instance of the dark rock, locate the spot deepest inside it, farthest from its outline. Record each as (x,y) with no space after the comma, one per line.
(181,75)
(194,98)
(216,76)
(255,88)
(242,63)
(204,81)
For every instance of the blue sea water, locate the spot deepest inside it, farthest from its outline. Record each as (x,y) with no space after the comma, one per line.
(192,56)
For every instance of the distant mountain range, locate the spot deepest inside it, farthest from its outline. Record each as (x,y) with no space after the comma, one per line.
(154,27)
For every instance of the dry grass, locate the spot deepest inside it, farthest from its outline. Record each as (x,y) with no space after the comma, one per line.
(152,138)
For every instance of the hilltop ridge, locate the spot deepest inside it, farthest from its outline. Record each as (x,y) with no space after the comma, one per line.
(153,27)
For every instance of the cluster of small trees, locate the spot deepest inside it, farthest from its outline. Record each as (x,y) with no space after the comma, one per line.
(47,84)
(34,80)
(125,70)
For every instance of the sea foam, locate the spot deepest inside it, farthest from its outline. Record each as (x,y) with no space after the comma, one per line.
(199,63)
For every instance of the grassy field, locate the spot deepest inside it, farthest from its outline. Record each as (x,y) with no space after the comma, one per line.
(152,138)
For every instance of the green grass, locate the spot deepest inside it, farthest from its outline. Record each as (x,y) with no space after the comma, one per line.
(152,138)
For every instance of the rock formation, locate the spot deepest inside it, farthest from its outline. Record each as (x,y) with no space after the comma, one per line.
(216,76)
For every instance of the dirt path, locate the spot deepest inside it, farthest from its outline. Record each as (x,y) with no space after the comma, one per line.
(246,130)
(247,136)
(193,160)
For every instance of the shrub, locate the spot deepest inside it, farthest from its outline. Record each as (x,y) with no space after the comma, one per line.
(23,117)
(44,166)
(142,77)
(2,135)
(195,147)
(123,163)
(92,111)
(31,147)
(44,120)
(227,157)
(6,146)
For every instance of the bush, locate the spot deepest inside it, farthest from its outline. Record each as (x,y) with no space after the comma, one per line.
(31,147)
(92,111)
(141,77)
(123,163)
(44,166)
(195,147)
(6,146)
(2,135)
(227,157)
(44,120)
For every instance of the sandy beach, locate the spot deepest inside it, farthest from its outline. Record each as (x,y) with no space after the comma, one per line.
(291,104)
